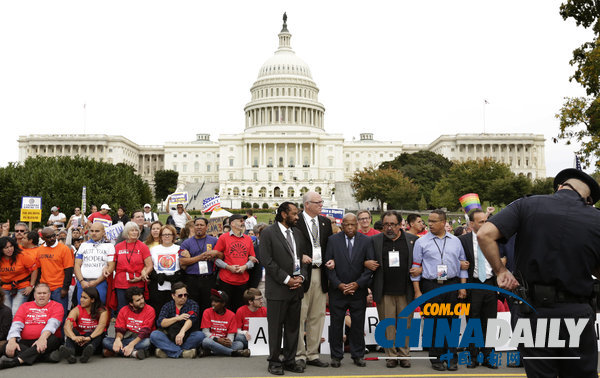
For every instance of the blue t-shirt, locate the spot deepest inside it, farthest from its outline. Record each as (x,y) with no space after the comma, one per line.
(196,247)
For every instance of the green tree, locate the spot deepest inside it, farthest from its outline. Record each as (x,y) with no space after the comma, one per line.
(425,168)
(504,190)
(542,186)
(165,183)
(59,181)
(580,116)
(422,204)
(384,185)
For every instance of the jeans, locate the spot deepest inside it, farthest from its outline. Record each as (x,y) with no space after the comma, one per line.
(14,302)
(121,300)
(108,342)
(162,341)
(242,339)
(55,296)
(101,287)
(218,349)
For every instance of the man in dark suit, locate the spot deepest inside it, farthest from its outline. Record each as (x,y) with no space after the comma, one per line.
(315,230)
(392,287)
(281,251)
(348,283)
(483,302)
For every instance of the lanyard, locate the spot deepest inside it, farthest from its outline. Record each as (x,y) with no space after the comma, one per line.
(130,252)
(441,250)
(198,245)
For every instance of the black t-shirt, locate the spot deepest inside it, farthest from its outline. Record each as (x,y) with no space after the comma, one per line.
(395,279)
(557,242)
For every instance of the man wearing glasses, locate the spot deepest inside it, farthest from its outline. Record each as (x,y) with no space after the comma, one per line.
(392,287)
(56,262)
(364,223)
(21,230)
(178,333)
(253,309)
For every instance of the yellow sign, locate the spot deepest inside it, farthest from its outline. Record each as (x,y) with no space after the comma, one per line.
(31,215)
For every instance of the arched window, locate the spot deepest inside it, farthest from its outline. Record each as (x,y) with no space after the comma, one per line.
(276,192)
(236,191)
(290,192)
(318,189)
(303,190)
(249,191)
(262,192)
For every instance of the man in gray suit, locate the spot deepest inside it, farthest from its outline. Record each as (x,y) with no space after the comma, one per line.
(392,287)
(281,250)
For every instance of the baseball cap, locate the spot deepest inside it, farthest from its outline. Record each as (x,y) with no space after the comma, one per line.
(104,207)
(236,216)
(570,173)
(219,295)
(54,208)
(147,205)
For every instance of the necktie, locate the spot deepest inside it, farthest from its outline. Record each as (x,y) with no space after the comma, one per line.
(289,240)
(480,264)
(315,237)
(350,248)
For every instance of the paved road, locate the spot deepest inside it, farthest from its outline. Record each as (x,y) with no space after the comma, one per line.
(238,367)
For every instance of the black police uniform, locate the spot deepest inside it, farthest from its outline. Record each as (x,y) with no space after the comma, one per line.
(557,247)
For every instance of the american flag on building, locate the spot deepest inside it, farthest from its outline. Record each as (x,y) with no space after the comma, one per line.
(211,203)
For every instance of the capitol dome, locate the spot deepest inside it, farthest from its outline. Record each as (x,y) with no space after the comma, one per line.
(284,93)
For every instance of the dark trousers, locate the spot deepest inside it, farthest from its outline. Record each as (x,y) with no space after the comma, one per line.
(283,319)
(235,293)
(158,298)
(338,304)
(452,298)
(484,305)
(585,366)
(96,342)
(199,288)
(255,275)
(29,354)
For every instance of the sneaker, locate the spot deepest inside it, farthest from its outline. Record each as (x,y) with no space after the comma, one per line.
(241,353)
(140,354)
(55,356)
(87,352)
(108,353)
(160,353)
(189,353)
(201,352)
(67,353)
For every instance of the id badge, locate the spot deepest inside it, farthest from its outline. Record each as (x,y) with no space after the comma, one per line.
(209,247)
(394,259)
(203,267)
(296,267)
(317,259)
(442,272)
(127,276)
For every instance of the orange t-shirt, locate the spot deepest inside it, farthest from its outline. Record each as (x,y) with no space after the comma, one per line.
(21,269)
(53,262)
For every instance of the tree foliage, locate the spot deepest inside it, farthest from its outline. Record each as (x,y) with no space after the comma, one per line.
(543,186)
(165,183)
(59,181)
(580,116)
(384,185)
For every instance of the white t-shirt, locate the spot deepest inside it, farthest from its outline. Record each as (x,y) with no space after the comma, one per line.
(250,223)
(94,256)
(55,219)
(76,221)
(165,260)
(150,217)
(179,219)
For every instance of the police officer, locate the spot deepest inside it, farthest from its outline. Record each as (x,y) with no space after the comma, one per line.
(439,253)
(557,250)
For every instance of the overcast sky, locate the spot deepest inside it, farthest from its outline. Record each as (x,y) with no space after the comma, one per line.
(156,71)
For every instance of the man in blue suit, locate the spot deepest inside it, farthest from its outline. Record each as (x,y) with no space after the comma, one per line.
(348,283)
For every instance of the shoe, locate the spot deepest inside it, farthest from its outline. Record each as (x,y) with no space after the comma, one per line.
(188,353)
(140,354)
(301,363)
(7,362)
(241,353)
(489,366)
(87,352)
(293,367)
(335,363)
(391,363)
(452,366)
(107,353)
(473,364)
(318,363)
(55,356)
(159,353)
(201,352)
(359,362)
(405,363)
(439,366)
(67,354)
(276,369)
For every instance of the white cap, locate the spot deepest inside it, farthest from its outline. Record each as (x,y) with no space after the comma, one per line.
(147,205)
(54,208)
(104,207)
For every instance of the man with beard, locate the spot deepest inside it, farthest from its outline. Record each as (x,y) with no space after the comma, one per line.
(282,247)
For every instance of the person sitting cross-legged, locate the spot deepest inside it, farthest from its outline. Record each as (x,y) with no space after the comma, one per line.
(219,327)
(134,324)
(178,333)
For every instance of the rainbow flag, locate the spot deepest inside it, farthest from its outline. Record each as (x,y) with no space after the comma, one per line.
(469,202)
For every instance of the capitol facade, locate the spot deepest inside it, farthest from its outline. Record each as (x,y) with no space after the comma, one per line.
(284,149)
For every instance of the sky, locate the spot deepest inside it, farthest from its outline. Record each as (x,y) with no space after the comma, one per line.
(157,71)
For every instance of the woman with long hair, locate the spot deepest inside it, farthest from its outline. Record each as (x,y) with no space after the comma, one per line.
(18,273)
(85,327)
(153,238)
(165,258)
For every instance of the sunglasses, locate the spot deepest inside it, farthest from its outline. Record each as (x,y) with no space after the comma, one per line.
(23,231)
(182,295)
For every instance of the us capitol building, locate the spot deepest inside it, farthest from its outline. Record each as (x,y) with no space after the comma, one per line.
(284,149)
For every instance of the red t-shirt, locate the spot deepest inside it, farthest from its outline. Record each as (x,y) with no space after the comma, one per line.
(36,318)
(219,325)
(141,323)
(85,323)
(243,313)
(105,219)
(130,260)
(371,232)
(236,250)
